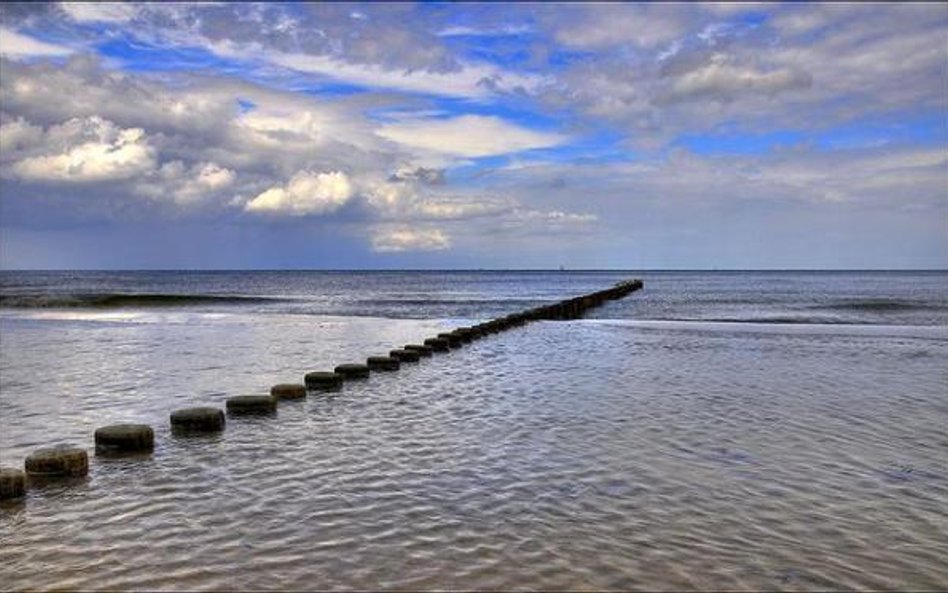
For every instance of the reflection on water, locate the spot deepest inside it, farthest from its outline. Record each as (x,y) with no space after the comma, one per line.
(563,455)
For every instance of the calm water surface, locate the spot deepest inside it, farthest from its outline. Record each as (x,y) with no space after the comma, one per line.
(713,431)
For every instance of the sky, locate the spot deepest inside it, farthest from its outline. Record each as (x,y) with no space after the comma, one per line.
(473,135)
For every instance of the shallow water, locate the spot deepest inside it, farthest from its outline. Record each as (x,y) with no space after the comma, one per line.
(629,450)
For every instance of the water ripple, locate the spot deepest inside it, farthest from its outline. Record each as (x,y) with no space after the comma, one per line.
(669,459)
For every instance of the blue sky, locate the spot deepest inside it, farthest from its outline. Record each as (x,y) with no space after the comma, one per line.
(443,135)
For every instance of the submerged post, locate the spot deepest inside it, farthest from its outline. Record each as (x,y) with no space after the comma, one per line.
(288,391)
(197,420)
(124,438)
(242,405)
(383,363)
(12,484)
(323,381)
(353,371)
(61,461)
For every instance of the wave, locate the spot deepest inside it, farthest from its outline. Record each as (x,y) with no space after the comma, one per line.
(779,319)
(810,320)
(119,300)
(512,303)
(882,305)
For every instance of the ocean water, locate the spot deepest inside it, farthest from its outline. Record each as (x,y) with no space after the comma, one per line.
(713,431)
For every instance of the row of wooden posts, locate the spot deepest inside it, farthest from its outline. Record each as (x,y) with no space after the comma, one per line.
(65,461)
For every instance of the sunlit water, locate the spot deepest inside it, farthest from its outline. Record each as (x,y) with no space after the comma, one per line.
(713,431)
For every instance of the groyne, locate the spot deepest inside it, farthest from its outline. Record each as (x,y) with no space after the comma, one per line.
(64,461)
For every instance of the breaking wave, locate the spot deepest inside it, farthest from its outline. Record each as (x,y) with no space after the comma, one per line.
(882,305)
(119,300)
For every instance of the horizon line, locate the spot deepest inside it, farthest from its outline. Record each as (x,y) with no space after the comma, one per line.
(479,269)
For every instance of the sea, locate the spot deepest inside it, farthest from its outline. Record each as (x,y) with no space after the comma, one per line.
(731,430)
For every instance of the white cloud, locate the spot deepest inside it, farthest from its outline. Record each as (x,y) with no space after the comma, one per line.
(198,136)
(388,197)
(860,66)
(722,80)
(457,31)
(468,136)
(859,176)
(888,178)
(413,199)
(798,19)
(102,12)
(16,45)
(731,8)
(828,64)
(85,150)
(18,135)
(212,176)
(599,26)
(469,81)
(306,193)
(186,185)
(196,119)
(556,217)
(409,239)
(283,126)
(463,209)
(81,87)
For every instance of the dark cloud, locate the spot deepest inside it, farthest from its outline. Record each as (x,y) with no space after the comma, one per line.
(16,12)
(424,175)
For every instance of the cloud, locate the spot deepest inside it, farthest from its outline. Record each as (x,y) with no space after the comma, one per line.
(373,38)
(598,26)
(455,208)
(85,150)
(18,135)
(860,67)
(412,199)
(557,217)
(262,128)
(306,193)
(462,31)
(194,119)
(82,87)
(684,184)
(470,80)
(186,185)
(468,136)
(409,239)
(430,176)
(723,81)
(320,41)
(17,46)
(828,65)
(100,12)
(731,8)
(862,177)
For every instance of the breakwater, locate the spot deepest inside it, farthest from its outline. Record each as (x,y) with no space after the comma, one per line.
(66,461)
